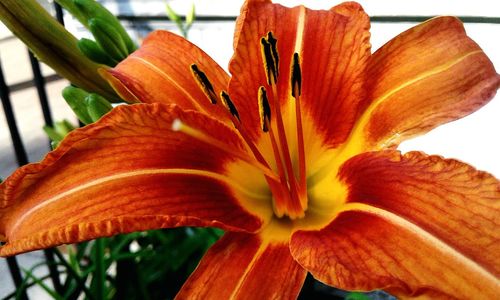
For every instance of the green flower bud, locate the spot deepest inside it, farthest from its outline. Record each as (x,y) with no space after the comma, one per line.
(89,9)
(58,132)
(95,53)
(63,127)
(67,126)
(53,45)
(97,106)
(108,38)
(52,133)
(75,98)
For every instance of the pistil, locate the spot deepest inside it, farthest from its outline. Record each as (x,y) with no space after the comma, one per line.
(265,121)
(296,84)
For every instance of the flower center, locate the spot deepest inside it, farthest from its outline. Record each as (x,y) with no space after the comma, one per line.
(288,187)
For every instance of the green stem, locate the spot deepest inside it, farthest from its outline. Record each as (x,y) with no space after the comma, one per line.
(100,271)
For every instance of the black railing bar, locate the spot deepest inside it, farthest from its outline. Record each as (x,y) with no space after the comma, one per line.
(53,272)
(19,149)
(376,19)
(15,272)
(40,84)
(29,83)
(60,19)
(40,88)
(21,157)
(59,13)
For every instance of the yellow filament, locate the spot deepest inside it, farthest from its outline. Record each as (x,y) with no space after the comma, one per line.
(285,151)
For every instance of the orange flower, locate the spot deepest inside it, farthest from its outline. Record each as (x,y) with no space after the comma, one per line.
(293,156)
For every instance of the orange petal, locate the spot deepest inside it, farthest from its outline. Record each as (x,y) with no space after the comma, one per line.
(335,52)
(333,47)
(128,172)
(426,76)
(413,224)
(242,266)
(160,71)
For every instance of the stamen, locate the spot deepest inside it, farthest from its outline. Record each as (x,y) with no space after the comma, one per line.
(265,119)
(235,118)
(296,204)
(178,125)
(264,110)
(204,84)
(228,104)
(296,82)
(270,63)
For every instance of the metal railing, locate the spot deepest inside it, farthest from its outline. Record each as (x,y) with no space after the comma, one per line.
(39,81)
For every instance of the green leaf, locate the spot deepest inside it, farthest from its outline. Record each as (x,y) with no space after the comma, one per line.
(190,17)
(173,16)
(357,296)
(78,277)
(40,282)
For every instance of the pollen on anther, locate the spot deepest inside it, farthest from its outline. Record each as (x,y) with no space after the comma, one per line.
(204,83)
(269,57)
(296,76)
(229,105)
(273,42)
(264,110)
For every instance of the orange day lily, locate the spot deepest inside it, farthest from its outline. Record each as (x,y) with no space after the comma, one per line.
(293,156)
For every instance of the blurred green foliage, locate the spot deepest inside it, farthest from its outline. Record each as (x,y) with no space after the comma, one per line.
(142,265)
